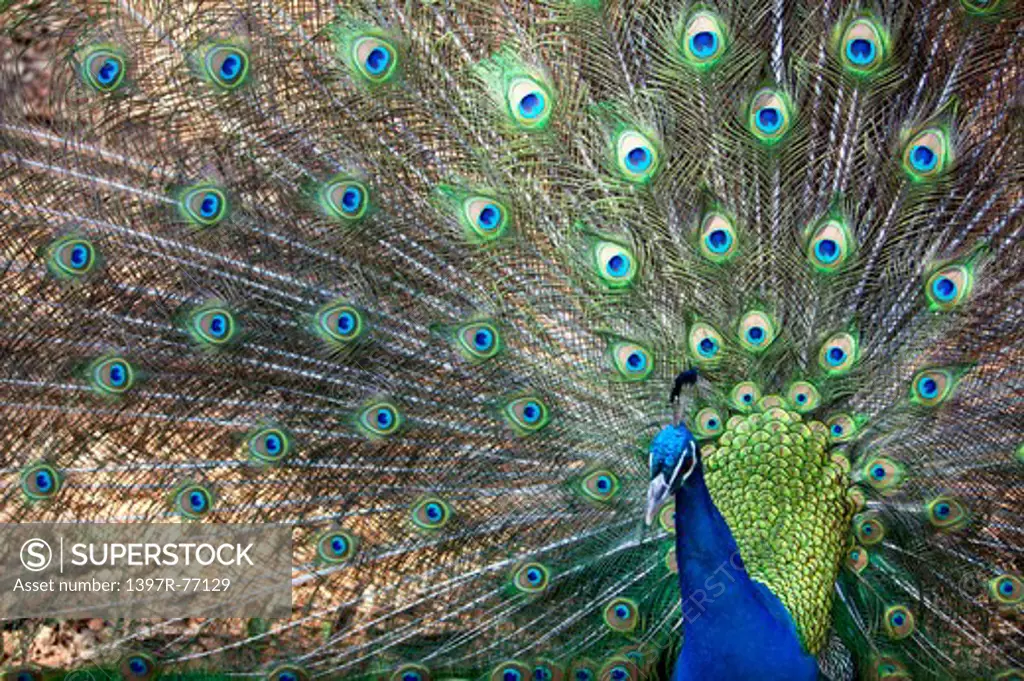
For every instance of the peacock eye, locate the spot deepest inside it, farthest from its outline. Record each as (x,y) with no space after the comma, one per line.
(510,671)
(621,614)
(946,513)
(841,427)
(375,59)
(899,622)
(546,671)
(769,116)
(704,40)
(718,241)
(339,323)
(863,47)
(615,264)
(632,361)
(869,529)
(529,103)
(345,199)
(138,667)
(838,353)
(486,218)
(580,673)
(931,387)
(212,326)
(981,8)
(709,422)
(857,559)
(1007,589)
(431,514)
(22,674)
(204,206)
(226,65)
(600,485)
(478,341)
(336,546)
(269,445)
(71,257)
(104,69)
(756,331)
(380,419)
(745,395)
(40,481)
(667,517)
(949,286)
(671,562)
(636,156)
(193,501)
(829,246)
(526,414)
(705,343)
(112,376)
(803,396)
(883,474)
(531,578)
(288,672)
(927,155)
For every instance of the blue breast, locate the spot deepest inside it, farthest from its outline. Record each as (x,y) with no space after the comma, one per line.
(734,627)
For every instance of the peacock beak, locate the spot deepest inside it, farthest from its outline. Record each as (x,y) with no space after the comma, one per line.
(658,493)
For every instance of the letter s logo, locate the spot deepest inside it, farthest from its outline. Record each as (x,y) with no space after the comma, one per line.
(36,555)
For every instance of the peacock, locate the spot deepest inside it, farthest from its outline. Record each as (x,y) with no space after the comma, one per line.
(573,340)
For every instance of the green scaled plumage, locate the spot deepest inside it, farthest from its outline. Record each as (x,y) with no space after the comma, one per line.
(415,279)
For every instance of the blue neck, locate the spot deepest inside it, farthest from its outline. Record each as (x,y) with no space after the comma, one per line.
(733,627)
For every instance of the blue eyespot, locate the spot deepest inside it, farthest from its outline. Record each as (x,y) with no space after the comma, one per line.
(712,423)
(860,51)
(377,60)
(385,417)
(826,250)
(801,398)
(532,105)
(117,374)
(944,289)
(836,356)
(346,322)
(619,674)
(230,67)
(138,666)
(534,575)
(928,387)
(942,510)
(769,119)
(108,72)
(748,398)
(703,44)
(483,339)
(636,361)
(878,472)
(209,206)
(1006,587)
(434,511)
(755,335)
(411,676)
(922,158)
(351,199)
(618,265)
(511,675)
(708,347)
(604,483)
(44,481)
(531,412)
(719,240)
(638,159)
(226,66)
(489,217)
(898,619)
(622,612)
(837,430)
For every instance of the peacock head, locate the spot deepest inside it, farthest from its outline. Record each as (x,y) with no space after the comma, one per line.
(673,455)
